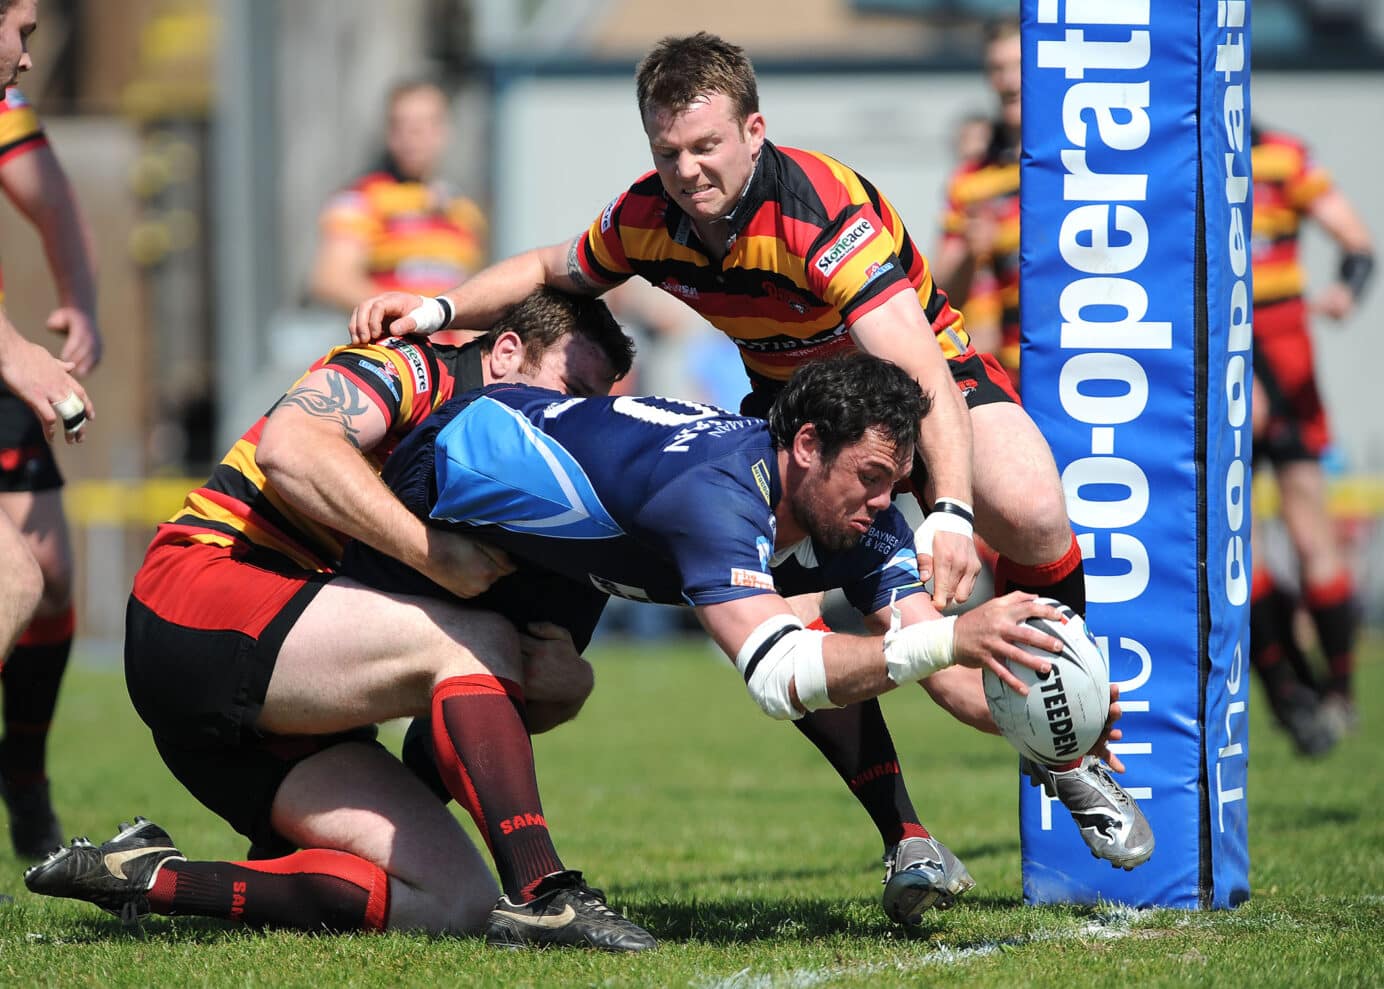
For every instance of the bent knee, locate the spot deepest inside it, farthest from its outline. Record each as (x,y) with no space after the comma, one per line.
(475,641)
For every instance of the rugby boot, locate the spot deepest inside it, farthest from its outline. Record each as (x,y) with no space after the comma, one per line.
(564,912)
(34,829)
(114,875)
(1305,719)
(921,874)
(1339,715)
(1109,819)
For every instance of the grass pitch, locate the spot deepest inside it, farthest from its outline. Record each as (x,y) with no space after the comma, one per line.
(729,838)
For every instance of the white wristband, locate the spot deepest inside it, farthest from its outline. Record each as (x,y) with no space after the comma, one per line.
(948,515)
(919,650)
(430,316)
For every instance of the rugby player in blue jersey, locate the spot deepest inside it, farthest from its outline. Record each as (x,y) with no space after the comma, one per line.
(673,502)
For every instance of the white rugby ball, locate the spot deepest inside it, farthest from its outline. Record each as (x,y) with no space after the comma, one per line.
(1064,712)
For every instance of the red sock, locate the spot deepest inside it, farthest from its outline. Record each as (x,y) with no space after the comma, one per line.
(857,743)
(31,677)
(486,760)
(1335,616)
(312,890)
(1063,579)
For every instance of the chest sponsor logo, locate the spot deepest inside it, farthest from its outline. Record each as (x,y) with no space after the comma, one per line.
(674,287)
(792,300)
(847,244)
(740,577)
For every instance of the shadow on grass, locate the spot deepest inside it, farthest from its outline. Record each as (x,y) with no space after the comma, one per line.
(726,921)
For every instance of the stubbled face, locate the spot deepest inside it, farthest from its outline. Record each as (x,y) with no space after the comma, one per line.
(418,132)
(574,365)
(704,154)
(836,503)
(1003,62)
(16,25)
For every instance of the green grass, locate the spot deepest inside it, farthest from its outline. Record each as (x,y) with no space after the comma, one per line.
(727,836)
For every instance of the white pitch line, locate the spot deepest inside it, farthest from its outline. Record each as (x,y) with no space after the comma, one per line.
(1115,922)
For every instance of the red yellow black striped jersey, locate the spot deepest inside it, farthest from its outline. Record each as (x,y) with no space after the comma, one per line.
(990,184)
(420,237)
(20,132)
(406,378)
(1286,183)
(813,246)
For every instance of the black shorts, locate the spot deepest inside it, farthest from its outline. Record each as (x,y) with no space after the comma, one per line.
(980,377)
(200,692)
(26,459)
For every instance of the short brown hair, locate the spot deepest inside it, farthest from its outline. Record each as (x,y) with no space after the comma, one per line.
(1002,28)
(543,317)
(678,70)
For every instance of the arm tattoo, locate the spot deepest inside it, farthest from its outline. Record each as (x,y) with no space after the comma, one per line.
(343,403)
(574,272)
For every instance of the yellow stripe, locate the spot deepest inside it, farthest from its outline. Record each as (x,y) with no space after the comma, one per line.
(1277,281)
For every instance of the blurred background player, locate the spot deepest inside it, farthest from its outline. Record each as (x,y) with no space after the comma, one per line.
(401,225)
(30,483)
(977,260)
(1292,433)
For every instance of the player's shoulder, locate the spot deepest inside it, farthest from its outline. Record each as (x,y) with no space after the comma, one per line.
(641,205)
(1277,154)
(13,99)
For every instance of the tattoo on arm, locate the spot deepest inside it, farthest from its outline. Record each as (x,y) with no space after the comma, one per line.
(574,272)
(343,402)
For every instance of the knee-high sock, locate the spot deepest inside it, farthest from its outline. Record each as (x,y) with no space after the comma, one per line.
(30,678)
(856,741)
(1336,616)
(1270,638)
(485,758)
(312,890)
(1063,579)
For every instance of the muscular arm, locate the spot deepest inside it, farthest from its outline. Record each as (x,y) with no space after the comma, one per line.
(484,297)
(899,331)
(855,664)
(38,187)
(310,451)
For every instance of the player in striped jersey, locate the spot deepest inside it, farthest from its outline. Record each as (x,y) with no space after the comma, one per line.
(795,256)
(261,671)
(31,672)
(401,226)
(1291,431)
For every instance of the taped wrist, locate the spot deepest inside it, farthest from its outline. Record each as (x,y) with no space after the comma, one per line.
(919,650)
(432,315)
(779,654)
(947,515)
(1356,269)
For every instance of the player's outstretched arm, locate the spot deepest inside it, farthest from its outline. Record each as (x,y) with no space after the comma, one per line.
(478,303)
(789,669)
(310,450)
(898,331)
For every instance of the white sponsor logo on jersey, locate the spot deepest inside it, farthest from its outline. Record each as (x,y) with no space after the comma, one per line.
(850,240)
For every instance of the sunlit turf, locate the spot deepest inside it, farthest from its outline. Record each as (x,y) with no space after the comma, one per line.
(727,836)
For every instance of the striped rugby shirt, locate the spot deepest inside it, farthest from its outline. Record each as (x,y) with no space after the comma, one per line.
(813,246)
(237,507)
(1286,182)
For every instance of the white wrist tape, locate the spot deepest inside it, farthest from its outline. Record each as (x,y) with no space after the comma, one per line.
(919,650)
(431,315)
(947,515)
(778,654)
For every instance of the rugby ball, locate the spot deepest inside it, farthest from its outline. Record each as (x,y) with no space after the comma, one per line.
(1064,712)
